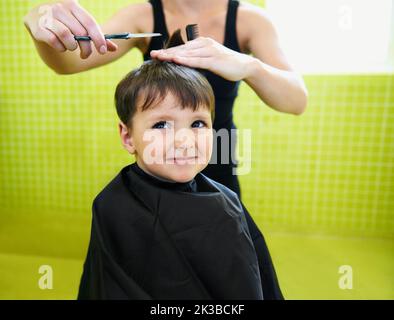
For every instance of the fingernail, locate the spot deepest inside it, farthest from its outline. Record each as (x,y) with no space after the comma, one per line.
(103,49)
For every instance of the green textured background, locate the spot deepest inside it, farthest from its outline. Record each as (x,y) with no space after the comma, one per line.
(321,185)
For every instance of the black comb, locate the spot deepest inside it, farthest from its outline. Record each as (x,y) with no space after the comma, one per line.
(191,31)
(191,34)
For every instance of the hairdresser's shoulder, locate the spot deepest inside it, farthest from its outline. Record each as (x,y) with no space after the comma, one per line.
(249,10)
(253,20)
(141,16)
(253,16)
(139,11)
(137,7)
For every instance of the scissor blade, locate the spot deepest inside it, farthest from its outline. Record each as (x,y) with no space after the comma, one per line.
(143,35)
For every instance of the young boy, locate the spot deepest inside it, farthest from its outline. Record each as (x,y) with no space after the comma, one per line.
(160,228)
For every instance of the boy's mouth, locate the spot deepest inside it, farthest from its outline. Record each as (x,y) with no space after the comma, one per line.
(182,160)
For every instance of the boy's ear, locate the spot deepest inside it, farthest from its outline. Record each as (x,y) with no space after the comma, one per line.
(125,137)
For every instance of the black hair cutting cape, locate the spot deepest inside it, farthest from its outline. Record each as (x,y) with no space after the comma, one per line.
(149,242)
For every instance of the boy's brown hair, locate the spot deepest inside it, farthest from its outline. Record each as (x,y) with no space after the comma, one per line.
(149,84)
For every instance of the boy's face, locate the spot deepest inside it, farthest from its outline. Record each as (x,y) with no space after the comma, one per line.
(170,142)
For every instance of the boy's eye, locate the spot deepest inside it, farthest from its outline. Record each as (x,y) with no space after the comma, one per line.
(166,125)
(199,124)
(160,125)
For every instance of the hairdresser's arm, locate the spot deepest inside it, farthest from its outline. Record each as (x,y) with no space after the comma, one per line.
(52,27)
(270,74)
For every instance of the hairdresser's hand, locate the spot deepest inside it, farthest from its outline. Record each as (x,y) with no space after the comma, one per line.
(57,23)
(206,53)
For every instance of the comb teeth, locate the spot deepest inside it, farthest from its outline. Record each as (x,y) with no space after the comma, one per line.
(191,31)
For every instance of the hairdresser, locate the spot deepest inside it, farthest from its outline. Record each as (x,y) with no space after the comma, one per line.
(237,41)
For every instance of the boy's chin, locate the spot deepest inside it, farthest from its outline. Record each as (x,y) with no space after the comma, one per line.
(183,175)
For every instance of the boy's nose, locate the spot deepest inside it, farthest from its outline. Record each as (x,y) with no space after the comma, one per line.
(184,138)
(184,142)
(184,145)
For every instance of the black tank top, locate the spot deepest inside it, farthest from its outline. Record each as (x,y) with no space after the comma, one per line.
(225,91)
